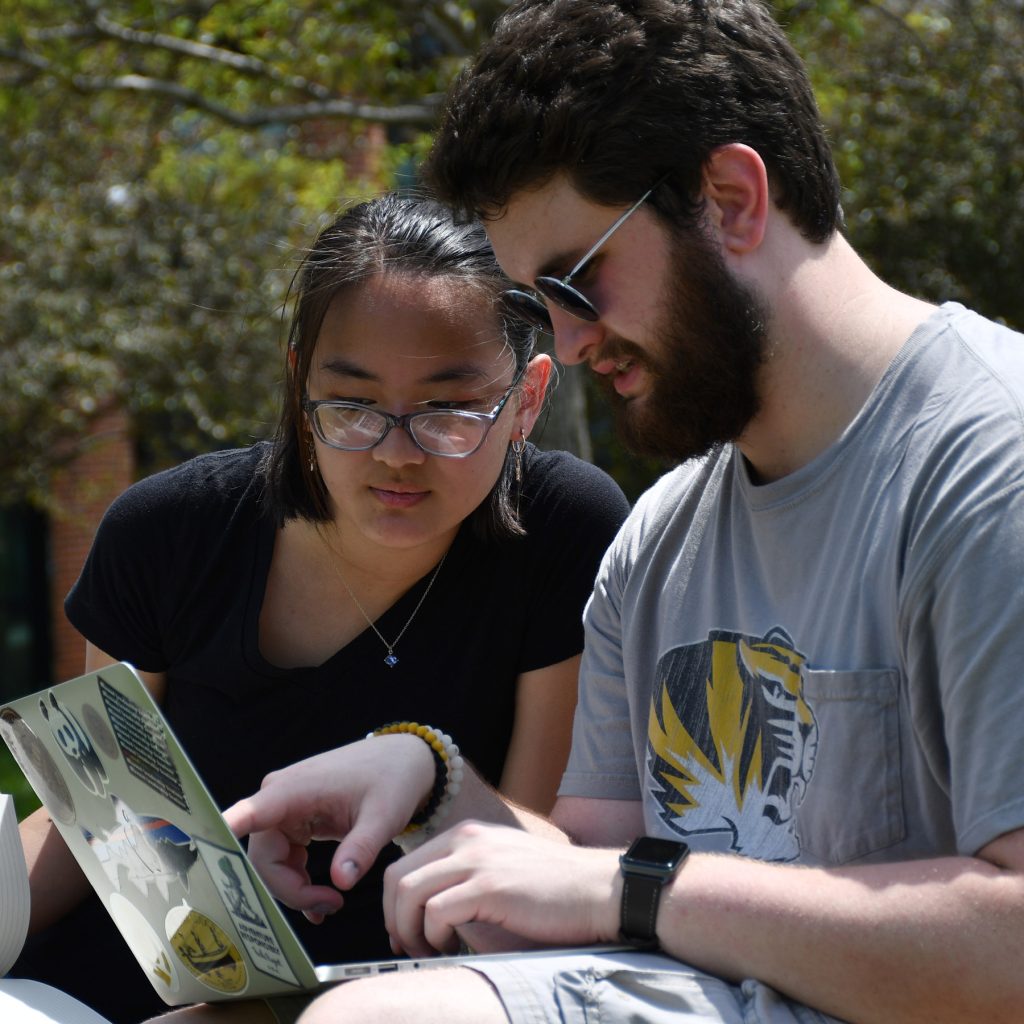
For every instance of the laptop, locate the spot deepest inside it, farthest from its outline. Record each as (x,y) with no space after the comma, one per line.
(149,837)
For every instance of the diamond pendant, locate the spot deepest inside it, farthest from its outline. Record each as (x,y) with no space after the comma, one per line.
(391,660)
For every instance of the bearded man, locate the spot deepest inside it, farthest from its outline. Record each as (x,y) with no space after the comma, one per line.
(798,701)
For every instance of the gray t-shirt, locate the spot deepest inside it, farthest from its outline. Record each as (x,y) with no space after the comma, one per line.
(826,668)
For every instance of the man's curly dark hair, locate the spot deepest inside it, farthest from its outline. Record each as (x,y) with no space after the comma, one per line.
(617,93)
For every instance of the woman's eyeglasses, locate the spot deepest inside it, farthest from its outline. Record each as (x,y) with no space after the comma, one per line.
(528,307)
(450,433)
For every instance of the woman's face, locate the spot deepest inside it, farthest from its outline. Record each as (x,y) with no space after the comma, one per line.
(403,343)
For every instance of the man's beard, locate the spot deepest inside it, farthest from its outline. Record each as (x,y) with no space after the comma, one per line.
(704,363)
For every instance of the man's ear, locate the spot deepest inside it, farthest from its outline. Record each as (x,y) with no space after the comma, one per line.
(737,196)
(534,390)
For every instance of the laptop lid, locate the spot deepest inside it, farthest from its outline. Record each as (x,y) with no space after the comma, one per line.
(152,842)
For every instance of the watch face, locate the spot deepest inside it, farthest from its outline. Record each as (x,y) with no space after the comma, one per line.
(662,853)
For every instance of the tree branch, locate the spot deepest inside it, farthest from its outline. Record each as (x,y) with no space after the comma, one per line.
(423,114)
(203,51)
(409,113)
(30,60)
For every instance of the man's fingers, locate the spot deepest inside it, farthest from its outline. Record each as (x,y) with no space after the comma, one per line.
(446,911)
(438,933)
(403,910)
(408,895)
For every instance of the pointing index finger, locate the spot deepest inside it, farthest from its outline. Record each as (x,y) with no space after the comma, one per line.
(244,817)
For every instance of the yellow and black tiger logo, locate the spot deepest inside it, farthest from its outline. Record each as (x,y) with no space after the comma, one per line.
(731,743)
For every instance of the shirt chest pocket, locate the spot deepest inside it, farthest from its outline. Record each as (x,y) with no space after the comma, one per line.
(853,805)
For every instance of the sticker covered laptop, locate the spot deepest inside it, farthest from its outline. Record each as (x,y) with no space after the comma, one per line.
(153,843)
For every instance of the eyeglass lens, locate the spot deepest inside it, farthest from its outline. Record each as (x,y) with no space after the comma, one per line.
(559,291)
(528,307)
(439,433)
(567,297)
(536,314)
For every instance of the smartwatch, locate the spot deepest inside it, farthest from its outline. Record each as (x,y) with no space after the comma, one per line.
(646,866)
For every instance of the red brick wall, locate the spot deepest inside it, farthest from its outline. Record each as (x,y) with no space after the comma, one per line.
(81,493)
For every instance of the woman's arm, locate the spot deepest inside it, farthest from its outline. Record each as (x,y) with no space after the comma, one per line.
(56,881)
(156,682)
(539,749)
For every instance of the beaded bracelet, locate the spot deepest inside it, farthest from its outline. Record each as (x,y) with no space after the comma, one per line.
(448,772)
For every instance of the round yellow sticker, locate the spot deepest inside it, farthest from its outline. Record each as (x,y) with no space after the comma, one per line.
(205,950)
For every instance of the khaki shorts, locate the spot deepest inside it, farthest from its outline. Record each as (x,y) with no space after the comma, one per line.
(621,988)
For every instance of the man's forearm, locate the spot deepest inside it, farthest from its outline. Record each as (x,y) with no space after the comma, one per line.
(926,941)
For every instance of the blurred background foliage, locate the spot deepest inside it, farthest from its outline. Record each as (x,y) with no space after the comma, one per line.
(162,163)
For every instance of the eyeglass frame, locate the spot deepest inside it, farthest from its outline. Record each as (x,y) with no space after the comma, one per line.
(310,406)
(526,304)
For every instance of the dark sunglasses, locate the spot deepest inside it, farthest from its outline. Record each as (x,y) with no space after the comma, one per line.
(558,290)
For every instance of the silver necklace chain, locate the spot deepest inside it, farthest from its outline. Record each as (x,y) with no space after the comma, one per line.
(390,659)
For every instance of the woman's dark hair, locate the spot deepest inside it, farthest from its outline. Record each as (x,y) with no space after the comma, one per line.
(619,93)
(398,233)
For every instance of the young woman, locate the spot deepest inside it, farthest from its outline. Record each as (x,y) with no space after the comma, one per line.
(398,551)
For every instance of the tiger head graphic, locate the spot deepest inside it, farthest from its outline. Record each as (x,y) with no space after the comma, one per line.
(731,743)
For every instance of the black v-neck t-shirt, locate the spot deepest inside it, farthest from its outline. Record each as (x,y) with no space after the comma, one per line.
(175,581)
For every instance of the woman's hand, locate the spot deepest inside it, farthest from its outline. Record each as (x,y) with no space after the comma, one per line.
(362,795)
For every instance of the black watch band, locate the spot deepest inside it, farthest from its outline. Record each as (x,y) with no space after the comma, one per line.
(646,866)
(640,899)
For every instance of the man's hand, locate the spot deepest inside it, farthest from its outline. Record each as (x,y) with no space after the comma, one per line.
(543,890)
(362,794)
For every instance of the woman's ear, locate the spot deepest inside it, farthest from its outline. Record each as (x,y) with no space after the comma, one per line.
(737,197)
(532,395)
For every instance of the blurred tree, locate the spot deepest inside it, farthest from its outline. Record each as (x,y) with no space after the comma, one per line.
(926,105)
(161,165)
(161,162)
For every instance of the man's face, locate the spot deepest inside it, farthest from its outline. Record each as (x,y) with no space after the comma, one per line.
(702,363)
(679,341)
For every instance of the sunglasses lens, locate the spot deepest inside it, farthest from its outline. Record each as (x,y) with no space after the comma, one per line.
(527,307)
(567,297)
